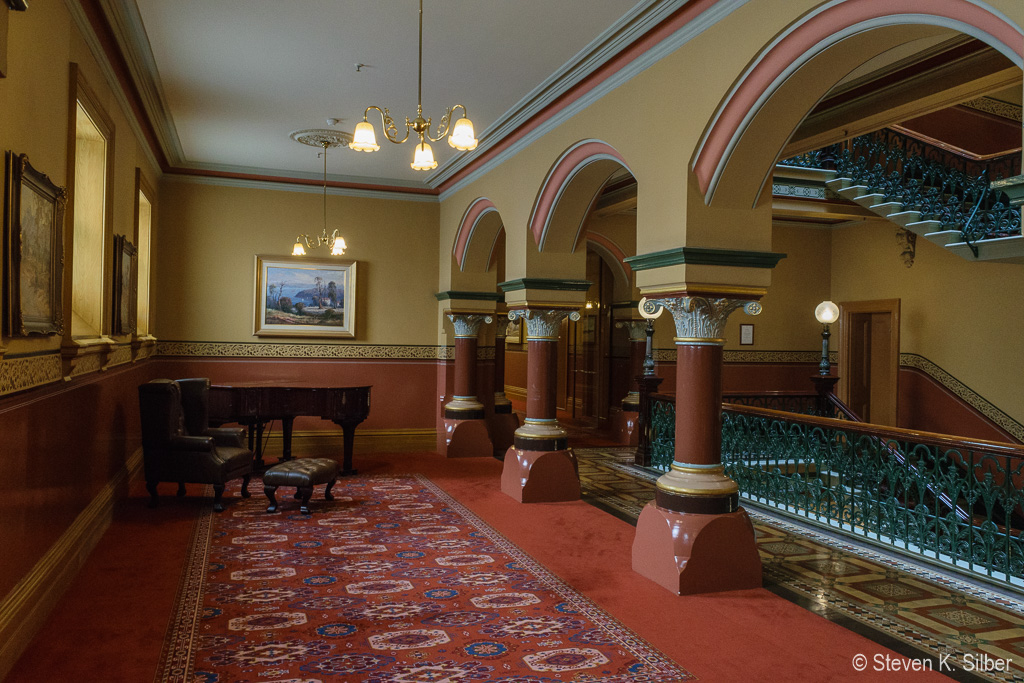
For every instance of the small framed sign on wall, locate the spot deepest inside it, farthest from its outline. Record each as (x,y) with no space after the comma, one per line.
(746,334)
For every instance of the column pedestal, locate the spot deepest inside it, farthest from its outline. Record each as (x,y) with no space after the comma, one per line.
(690,553)
(540,476)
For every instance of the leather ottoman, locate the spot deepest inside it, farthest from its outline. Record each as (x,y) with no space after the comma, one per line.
(303,474)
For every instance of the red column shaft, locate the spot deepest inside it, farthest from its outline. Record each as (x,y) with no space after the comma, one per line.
(499,364)
(541,376)
(698,404)
(465,366)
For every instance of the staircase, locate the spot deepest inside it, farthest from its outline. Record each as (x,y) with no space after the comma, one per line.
(928,191)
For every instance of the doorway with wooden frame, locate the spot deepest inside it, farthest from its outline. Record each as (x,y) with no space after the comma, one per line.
(869,353)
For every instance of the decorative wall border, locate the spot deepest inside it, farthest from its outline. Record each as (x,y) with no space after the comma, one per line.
(18,374)
(964,393)
(272,350)
(338,351)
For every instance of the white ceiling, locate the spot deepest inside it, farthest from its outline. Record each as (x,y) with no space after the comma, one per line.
(232,78)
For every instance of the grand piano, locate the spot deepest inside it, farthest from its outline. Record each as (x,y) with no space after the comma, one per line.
(255,404)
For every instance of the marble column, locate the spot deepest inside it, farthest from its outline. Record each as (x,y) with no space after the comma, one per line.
(466,432)
(694,537)
(540,467)
(504,422)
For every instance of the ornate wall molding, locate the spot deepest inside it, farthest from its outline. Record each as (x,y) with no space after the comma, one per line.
(964,393)
(341,351)
(18,374)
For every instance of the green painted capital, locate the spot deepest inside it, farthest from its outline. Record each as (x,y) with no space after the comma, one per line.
(704,257)
(544,283)
(468,296)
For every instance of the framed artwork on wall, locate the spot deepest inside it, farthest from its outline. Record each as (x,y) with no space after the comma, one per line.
(33,250)
(298,296)
(746,334)
(125,293)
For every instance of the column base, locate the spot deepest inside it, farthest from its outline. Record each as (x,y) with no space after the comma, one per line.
(690,553)
(541,476)
(467,439)
(624,426)
(503,427)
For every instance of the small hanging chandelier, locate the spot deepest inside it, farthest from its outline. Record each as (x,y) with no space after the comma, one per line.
(323,138)
(462,137)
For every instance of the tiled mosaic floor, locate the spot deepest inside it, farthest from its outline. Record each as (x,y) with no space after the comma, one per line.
(965,631)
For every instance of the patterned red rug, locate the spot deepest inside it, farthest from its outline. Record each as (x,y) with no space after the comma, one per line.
(392,582)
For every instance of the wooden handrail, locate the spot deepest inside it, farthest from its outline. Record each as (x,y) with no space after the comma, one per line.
(885,432)
(882,431)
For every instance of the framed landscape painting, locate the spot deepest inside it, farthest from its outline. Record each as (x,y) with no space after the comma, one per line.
(298,296)
(34,263)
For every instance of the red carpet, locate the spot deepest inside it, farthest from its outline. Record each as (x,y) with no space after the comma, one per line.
(110,625)
(393,581)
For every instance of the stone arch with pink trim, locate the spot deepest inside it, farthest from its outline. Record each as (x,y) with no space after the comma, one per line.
(751,125)
(569,191)
(478,232)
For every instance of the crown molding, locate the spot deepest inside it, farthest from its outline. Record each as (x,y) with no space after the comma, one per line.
(286,185)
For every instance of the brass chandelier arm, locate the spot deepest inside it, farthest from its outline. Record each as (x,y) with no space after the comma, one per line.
(446,123)
(388,124)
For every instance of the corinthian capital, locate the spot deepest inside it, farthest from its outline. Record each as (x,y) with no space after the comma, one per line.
(468,324)
(542,324)
(701,319)
(637,329)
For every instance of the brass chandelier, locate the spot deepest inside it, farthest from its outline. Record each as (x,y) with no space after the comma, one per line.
(325,139)
(462,136)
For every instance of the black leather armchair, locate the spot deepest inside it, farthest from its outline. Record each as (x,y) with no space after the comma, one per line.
(178,445)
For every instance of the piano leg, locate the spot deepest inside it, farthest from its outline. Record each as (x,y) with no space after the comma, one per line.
(286,427)
(349,430)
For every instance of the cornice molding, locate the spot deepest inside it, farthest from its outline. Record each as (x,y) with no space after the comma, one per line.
(303,185)
(705,257)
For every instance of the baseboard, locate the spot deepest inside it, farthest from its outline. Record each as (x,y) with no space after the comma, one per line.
(26,608)
(366,440)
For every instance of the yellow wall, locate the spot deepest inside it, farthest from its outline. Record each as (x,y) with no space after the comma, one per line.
(208,235)
(963,316)
(34,98)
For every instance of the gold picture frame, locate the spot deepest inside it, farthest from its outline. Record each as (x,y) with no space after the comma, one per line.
(298,296)
(34,250)
(125,292)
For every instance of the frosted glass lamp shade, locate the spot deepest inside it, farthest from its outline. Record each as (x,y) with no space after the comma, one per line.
(298,249)
(826,312)
(463,138)
(363,138)
(339,246)
(424,159)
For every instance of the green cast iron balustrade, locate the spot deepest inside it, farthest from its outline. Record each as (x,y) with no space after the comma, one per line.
(938,184)
(955,502)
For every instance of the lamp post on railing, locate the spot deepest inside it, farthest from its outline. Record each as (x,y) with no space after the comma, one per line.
(648,383)
(826,313)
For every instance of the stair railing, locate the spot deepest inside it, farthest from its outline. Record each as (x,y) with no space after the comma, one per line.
(940,185)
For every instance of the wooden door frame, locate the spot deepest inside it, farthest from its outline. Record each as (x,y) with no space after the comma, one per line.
(849,308)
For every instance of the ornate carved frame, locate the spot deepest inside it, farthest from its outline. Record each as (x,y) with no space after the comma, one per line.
(34,246)
(125,285)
